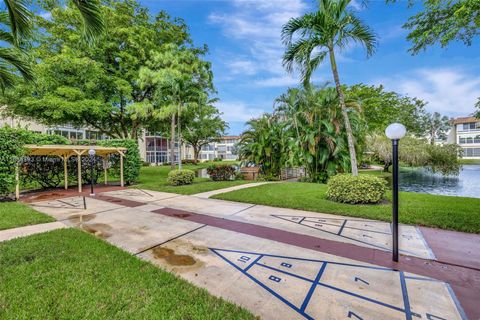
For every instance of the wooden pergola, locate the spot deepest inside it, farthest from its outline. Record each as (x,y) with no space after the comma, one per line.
(67,151)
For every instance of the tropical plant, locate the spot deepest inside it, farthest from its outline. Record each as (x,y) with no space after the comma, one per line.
(180,79)
(318,140)
(264,144)
(17,24)
(314,36)
(96,86)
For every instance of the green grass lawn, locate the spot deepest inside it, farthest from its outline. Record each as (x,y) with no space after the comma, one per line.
(155,178)
(69,274)
(16,214)
(470,161)
(454,213)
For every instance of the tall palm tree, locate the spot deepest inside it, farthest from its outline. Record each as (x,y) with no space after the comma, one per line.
(314,36)
(16,27)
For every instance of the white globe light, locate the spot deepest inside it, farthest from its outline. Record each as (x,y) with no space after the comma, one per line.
(395,131)
(91,152)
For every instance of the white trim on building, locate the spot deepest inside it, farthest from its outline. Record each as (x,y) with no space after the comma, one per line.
(466,133)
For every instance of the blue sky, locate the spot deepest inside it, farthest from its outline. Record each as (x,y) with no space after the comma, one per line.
(245,50)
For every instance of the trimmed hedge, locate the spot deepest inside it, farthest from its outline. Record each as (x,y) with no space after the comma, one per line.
(47,171)
(218,172)
(12,152)
(346,188)
(181,177)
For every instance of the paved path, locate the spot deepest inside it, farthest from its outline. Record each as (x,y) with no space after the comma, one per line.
(225,190)
(29,230)
(280,263)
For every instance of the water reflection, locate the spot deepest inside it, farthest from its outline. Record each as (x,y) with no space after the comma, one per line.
(467,184)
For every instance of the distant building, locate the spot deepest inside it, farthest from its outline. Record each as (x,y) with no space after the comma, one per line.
(224,149)
(153,147)
(466,133)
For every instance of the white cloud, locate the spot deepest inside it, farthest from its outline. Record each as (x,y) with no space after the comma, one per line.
(450,91)
(257,25)
(237,111)
(241,66)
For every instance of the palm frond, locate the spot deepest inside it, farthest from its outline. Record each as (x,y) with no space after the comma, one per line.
(92,17)
(17,59)
(20,18)
(7,78)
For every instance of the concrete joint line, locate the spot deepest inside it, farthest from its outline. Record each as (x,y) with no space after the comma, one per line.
(253,205)
(174,238)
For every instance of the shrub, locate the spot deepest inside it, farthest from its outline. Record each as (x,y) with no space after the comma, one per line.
(360,189)
(181,177)
(12,153)
(267,177)
(218,172)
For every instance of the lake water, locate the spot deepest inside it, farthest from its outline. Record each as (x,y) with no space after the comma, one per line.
(467,184)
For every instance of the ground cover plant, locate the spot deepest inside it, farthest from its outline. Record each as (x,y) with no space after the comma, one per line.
(446,212)
(155,178)
(15,214)
(71,274)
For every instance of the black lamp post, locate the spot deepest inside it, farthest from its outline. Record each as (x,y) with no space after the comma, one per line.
(395,132)
(91,152)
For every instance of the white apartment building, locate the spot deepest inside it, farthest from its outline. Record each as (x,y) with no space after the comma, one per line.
(224,149)
(466,133)
(153,147)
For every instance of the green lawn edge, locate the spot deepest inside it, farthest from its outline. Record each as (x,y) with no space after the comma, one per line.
(70,274)
(155,178)
(17,214)
(445,212)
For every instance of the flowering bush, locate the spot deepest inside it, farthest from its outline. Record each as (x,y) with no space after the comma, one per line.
(221,172)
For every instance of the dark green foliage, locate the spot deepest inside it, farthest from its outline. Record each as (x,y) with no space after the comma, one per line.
(218,172)
(132,161)
(181,177)
(363,189)
(12,150)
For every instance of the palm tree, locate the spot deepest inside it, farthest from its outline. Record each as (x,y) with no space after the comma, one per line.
(314,36)
(16,27)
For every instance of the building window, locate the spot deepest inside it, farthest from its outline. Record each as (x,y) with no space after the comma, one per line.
(471,152)
(471,126)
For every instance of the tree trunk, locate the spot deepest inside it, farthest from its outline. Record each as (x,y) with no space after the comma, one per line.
(179,141)
(348,127)
(196,152)
(172,143)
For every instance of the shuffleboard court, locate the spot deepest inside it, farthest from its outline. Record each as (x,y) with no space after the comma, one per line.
(276,280)
(139,195)
(72,207)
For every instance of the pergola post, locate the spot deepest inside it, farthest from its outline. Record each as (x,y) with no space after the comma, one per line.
(17,182)
(79,168)
(121,168)
(65,171)
(105,174)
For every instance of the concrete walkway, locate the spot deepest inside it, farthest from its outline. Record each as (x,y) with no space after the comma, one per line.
(29,230)
(280,263)
(225,190)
